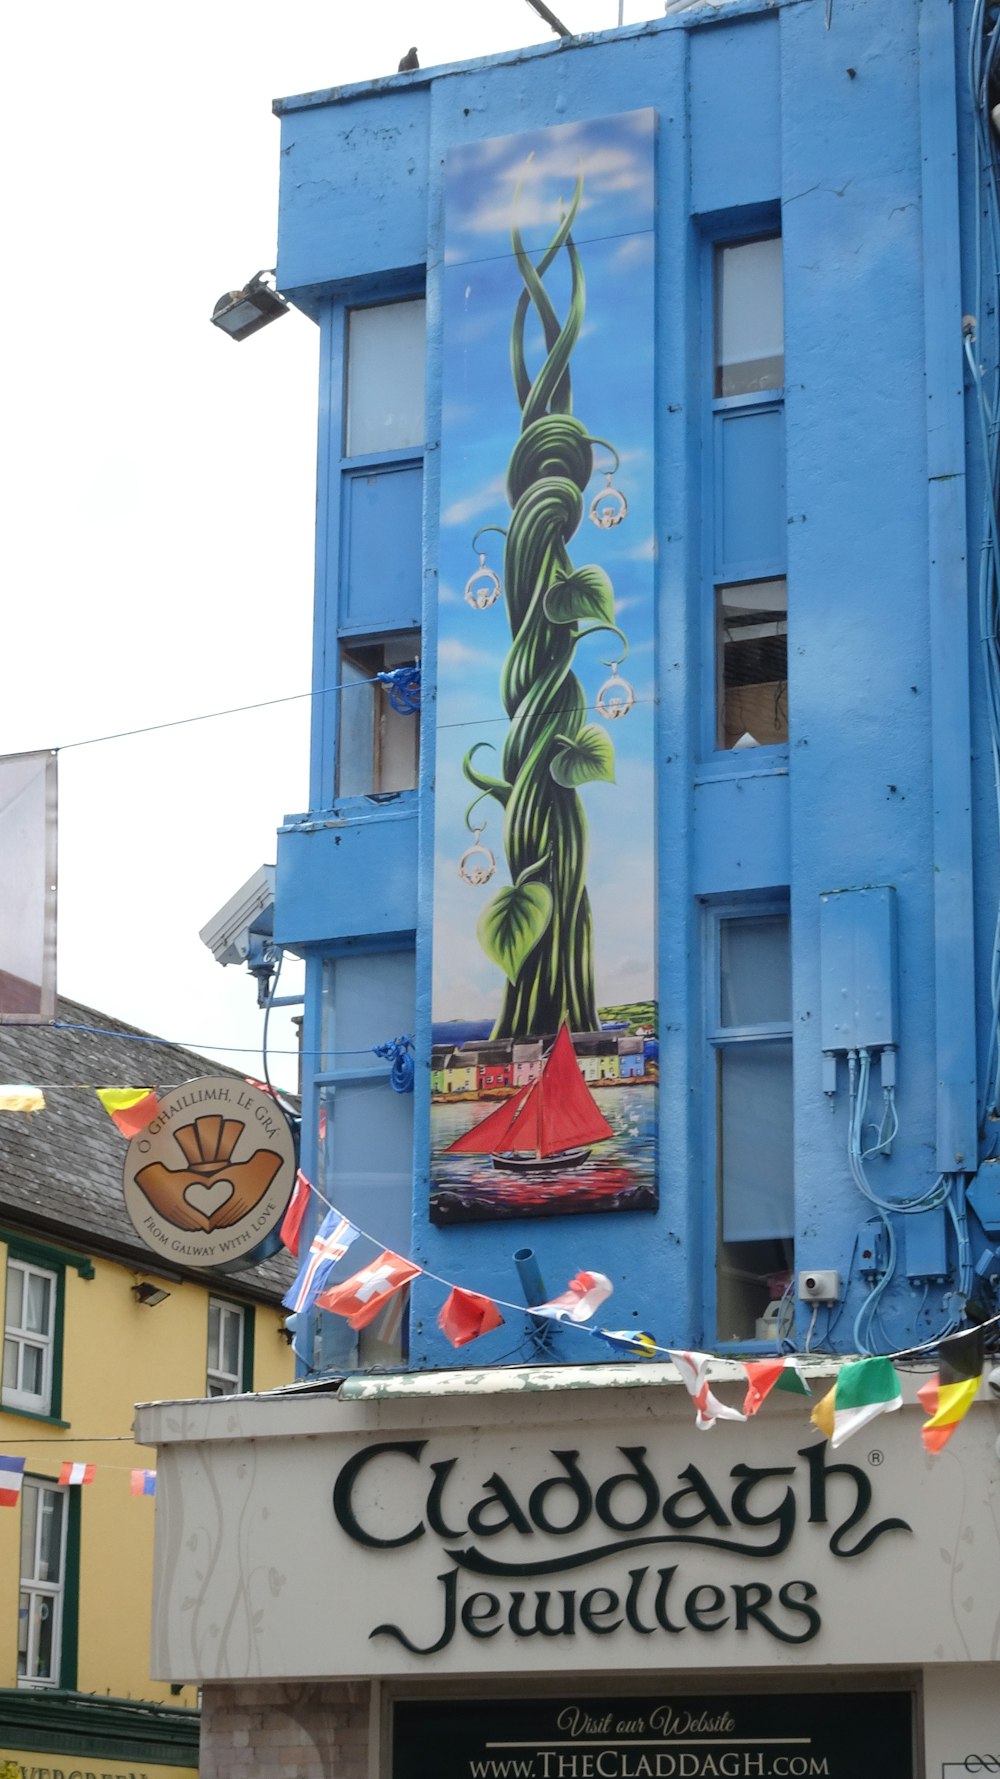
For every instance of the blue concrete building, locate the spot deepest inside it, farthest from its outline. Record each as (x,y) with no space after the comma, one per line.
(809,479)
(657,408)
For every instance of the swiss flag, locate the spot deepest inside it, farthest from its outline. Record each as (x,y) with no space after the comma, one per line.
(365,1294)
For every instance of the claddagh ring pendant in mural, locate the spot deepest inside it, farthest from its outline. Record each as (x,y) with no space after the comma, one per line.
(616,697)
(609,507)
(477,864)
(482,589)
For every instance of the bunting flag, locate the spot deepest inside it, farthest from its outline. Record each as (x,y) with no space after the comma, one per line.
(693,1368)
(864,1389)
(629,1340)
(464,1316)
(330,1243)
(582,1296)
(948,1396)
(364,1295)
(132,1108)
(764,1375)
(143,1482)
(18,1097)
(76,1473)
(291,1223)
(11,1478)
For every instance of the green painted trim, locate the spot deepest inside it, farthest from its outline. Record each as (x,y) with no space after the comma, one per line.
(248,1345)
(41,1721)
(70,1640)
(29,1414)
(40,1254)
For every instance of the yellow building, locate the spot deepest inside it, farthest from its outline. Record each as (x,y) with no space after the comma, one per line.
(93,1323)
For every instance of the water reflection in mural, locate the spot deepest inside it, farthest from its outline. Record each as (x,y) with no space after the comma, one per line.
(545,1057)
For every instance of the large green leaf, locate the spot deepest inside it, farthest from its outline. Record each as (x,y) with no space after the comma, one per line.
(584,597)
(589,756)
(511,926)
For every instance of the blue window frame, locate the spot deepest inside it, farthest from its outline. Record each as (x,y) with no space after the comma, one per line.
(369,560)
(750,1110)
(744,632)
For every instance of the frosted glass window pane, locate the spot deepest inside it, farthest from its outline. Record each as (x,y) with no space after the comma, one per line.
(385,378)
(369,1156)
(365,1001)
(749,318)
(755,971)
(756,1116)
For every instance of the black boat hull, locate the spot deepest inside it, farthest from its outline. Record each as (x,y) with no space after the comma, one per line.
(534,1164)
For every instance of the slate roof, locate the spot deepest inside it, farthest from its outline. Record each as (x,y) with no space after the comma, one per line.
(61,1169)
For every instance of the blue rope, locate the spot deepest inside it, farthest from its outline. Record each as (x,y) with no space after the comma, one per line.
(398,1051)
(404,688)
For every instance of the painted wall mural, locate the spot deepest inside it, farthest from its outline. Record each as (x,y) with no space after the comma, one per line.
(545,1053)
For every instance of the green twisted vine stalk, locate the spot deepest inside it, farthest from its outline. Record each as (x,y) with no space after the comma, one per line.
(539,930)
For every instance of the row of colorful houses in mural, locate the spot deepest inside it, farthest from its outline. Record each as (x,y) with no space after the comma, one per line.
(498,1066)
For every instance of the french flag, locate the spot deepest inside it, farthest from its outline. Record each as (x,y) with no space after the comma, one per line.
(11,1478)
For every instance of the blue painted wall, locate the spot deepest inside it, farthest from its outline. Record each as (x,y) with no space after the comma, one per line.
(850,135)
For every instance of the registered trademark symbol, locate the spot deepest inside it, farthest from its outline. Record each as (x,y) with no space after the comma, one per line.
(875,1458)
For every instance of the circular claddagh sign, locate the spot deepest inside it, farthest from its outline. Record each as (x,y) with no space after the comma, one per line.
(211,1175)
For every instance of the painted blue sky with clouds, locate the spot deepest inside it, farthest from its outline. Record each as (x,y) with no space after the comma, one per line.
(611,369)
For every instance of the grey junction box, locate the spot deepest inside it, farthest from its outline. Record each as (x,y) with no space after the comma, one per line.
(858,974)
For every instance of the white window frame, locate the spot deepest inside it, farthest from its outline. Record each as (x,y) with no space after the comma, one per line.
(17,1335)
(219,1381)
(33,1589)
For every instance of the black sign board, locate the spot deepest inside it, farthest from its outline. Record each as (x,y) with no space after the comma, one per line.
(829,1735)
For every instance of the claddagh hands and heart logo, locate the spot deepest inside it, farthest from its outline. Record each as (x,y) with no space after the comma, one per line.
(211,1191)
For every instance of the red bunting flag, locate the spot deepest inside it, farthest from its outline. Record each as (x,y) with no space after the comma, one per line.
(131,1108)
(291,1224)
(765,1375)
(464,1316)
(365,1294)
(76,1473)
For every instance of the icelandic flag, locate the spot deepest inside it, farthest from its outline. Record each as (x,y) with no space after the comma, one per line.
(330,1243)
(144,1482)
(11,1478)
(76,1473)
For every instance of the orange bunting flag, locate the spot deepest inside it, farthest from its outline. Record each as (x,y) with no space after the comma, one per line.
(765,1375)
(464,1316)
(365,1294)
(17,1096)
(291,1223)
(132,1108)
(71,1474)
(948,1396)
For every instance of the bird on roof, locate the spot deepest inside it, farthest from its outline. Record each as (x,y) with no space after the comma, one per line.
(409,62)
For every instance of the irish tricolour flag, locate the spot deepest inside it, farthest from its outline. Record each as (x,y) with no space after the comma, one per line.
(864,1388)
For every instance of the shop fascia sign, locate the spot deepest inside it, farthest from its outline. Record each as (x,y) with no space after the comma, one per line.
(208,1179)
(519,1555)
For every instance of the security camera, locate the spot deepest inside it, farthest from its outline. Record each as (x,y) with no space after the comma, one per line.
(993,1380)
(247,916)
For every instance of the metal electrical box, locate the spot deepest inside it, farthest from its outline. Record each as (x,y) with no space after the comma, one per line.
(858,969)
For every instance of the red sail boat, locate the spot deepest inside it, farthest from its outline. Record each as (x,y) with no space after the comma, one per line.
(548,1124)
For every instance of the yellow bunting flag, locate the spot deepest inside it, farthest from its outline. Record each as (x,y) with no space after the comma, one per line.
(948,1396)
(17,1097)
(132,1108)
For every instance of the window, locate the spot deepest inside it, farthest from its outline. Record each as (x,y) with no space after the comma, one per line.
(750,620)
(384,410)
(29,1337)
(227,1349)
(752,1047)
(378,749)
(749,317)
(365,1135)
(752,664)
(44,1524)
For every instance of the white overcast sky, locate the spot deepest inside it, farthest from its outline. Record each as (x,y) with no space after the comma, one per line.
(156,542)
